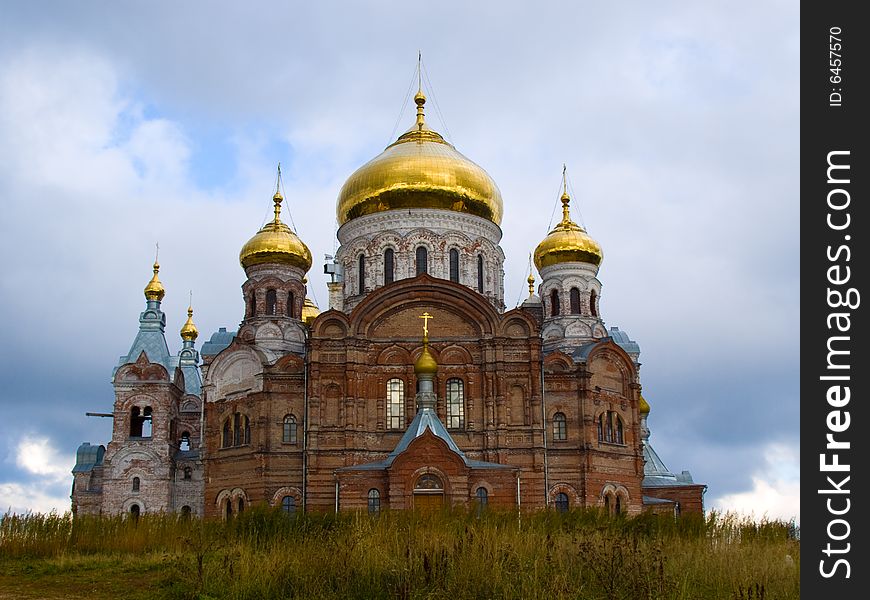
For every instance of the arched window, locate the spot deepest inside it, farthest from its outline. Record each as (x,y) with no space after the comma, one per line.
(482,497)
(247,431)
(600,425)
(428,481)
(395,404)
(554,303)
(289,436)
(135,422)
(237,429)
(252,308)
(228,509)
(146,422)
(562,502)
(560,427)
(184,446)
(374,501)
(389,266)
(362,274)
(607,503)
(618,507)
(241,505)
(291,304)
(454,265)
(188,473)
(288,504)
(455,403)
(480,273)
(185,512)
(135,484)
(618,422)
(422,260)
(593,304)
(575,301)
(227,437)
(271,301)
(134,512)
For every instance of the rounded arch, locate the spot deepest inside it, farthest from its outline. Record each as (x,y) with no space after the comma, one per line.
(331,324)
(138,501)
(564,488)
(455,355)
(292,491)
(394,355)
(416,475)
(238,368)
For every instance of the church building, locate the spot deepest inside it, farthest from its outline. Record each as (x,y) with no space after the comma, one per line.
(416,389)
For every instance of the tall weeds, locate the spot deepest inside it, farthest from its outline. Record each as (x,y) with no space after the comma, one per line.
(583,554)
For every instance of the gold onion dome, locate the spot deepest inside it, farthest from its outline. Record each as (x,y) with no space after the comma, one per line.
(276,243)
(643,406)
(189,332)
(419,170)
(567,242)
(309,310)
(426,363)
(154,290)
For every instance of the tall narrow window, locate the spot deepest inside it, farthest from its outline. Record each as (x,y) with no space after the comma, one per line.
(593,303)
(134,512)
(271,301)
(389,267)
(455,404)
(247,431)
(252,309)
(136,422)
(600,424)
(241,505)
(146,422)
(454,265)
(562,502)
(362,274)
(374,501)
(618,507)
(560,427)
(575,301)
(480,273)
(482,497)
(395,404)
(237,429)
(136,484)
(619,436)
(228,436)
(554,303)
(291,304)
(607,503)
(289,436)
(288,504)
(422,261)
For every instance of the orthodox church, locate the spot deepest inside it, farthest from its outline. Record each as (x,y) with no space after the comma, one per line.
(416,389)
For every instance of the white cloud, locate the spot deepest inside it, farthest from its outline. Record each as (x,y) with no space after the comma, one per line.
(17,498)
(50,473)
(39,457)
(775,492)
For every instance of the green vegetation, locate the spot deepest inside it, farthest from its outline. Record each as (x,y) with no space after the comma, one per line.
(265,554)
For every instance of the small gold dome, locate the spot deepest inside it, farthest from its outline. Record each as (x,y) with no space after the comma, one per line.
(643,406)
(276,243)
(154,290)
(568,242)
(426,363)
(419,170)
(309,310)
(189,332)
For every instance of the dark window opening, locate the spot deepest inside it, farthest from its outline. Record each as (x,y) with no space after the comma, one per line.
(560,427)
(554,303)
(575,301)
(135,422)
(454,265)
(362,274)
(237,429)
(618,507)
(389,268)
(562,502)
(422,261)
(241,505)
(288,504)
(134,512)
(227,440)
(136,484)
(291,303)
(188,473)
(253,307)
(482,499)
(480,273)
(607,503)
(228,513)
(184,446)
(374,499)
(593,304)
(185,512)
(271,301)
(247,430)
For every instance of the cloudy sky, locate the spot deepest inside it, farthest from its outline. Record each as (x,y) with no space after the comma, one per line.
(121,126)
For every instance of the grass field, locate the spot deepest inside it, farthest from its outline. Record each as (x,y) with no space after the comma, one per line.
(266,554)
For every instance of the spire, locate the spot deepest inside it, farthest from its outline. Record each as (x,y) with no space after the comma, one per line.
(566,199)
(189,332)
(531,281)
(278,198)
(419,97)
(154,291)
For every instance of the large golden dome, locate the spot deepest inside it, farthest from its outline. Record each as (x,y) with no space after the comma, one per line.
(276,243)
(419,170)
(568,242)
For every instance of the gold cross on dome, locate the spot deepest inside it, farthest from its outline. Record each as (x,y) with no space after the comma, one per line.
(426,316)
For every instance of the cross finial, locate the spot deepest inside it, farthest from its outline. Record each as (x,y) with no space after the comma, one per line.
(426,316)
(156,253)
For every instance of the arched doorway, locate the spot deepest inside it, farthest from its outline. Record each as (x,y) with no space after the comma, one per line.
(428,493)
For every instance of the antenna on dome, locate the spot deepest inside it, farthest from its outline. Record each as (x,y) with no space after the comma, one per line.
(420,71)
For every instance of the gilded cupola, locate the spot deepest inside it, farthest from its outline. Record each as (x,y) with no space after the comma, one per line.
(419,170)
(276,243)
(189,332)
(154,290)
(567,242)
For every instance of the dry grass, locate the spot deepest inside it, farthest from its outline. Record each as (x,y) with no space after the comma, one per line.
(265,554)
